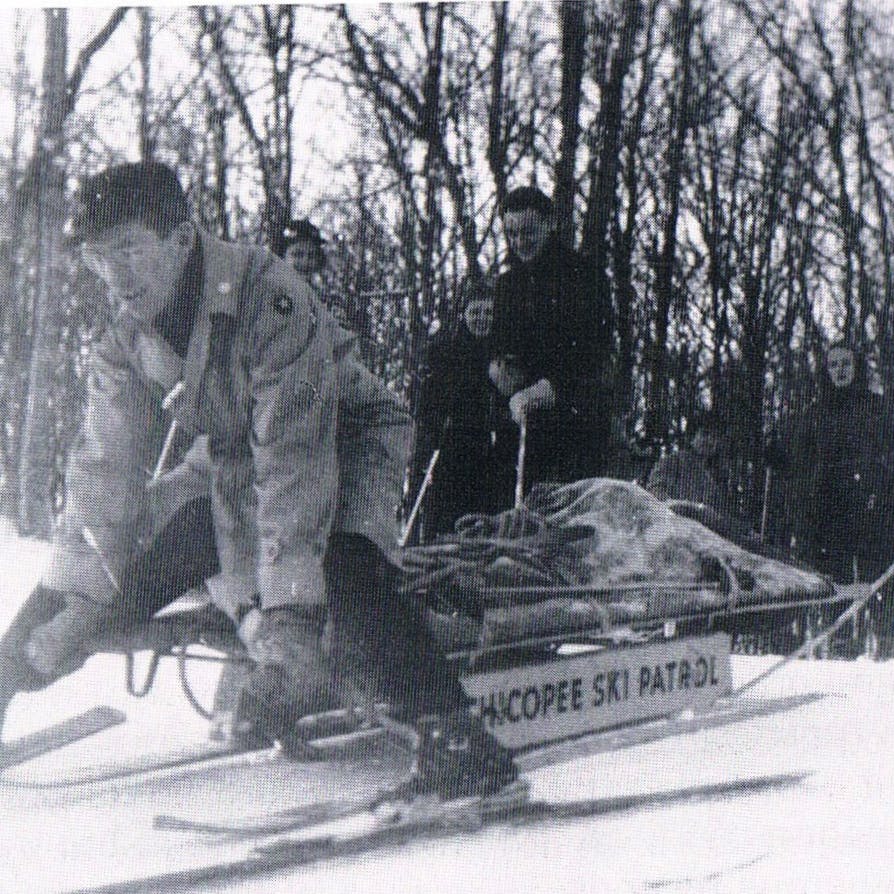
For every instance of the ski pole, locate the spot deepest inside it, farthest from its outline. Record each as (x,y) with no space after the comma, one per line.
(813,642)
(423,488)
(520,464)
(426,484)
(93,543)
(165,451)
(174,393)
(768,481)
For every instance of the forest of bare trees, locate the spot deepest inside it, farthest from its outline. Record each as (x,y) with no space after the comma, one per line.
(727,164)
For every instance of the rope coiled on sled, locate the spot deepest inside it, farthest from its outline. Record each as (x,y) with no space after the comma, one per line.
(517,560)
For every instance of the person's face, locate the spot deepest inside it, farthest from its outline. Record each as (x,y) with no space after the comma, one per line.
(478,317)
(140,268)
(840,365)
(304,256)
(527,231)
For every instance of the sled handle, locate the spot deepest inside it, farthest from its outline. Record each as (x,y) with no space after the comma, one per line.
(149,680)
(194,703)
(520,464)
(865,593)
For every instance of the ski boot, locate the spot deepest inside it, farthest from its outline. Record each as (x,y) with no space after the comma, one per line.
(289,681)
(60,646)
(457,758)
(16,673)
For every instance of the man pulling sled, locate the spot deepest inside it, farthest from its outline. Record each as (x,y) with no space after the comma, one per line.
(307,452)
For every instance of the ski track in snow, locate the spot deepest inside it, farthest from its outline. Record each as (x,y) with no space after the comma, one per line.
(832,833)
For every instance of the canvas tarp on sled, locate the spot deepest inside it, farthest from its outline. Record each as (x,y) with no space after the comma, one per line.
(592,555)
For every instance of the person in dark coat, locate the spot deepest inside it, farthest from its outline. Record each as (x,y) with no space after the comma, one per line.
(842,472)
(551,347)
(457,416)
(837,470)
(692,481)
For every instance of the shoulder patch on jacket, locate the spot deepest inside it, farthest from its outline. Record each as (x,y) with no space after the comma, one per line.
(282,303)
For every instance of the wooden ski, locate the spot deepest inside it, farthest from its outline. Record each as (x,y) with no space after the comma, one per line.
(59,734)
(442,820)
(304,815)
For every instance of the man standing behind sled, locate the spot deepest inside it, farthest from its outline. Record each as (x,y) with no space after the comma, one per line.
(307,453)
(551,345)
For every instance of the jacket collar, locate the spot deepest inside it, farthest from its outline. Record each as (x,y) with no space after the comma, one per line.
(547,254)
(174,323)
(224,270)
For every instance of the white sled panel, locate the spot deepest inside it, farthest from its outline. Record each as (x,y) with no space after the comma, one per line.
(537,703)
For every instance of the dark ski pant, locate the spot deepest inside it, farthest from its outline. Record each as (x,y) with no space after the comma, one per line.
(379,634)
(181,557)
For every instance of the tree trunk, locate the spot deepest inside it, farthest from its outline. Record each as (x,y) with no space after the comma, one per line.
(42,172)
(572,16)
(12,387)
(625,237)
(431,116)
(496,141)
(147,144)
(656,407)
(36,465)
(217,122)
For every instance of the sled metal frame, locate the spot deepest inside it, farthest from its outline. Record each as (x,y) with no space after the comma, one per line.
(162,638)
(638,631)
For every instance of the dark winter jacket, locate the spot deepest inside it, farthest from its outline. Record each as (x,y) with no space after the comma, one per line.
(549,319)
(457,413)
(837,473)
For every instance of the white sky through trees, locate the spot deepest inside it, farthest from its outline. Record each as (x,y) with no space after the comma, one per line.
(115,70)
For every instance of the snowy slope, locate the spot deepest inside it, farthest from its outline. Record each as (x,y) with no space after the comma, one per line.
(832,833)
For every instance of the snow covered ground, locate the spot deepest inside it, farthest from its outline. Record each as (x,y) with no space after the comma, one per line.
(834,832)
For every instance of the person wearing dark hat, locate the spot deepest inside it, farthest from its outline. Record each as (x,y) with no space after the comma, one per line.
(551,346)
(835,465)
(308,452)
(304,248)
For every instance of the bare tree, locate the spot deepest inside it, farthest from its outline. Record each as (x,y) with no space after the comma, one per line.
(145,93)
(666,253)
(572,18)
(624,223)
(43,188)
(271,137)
(12,313)
(496,129)
(36,449)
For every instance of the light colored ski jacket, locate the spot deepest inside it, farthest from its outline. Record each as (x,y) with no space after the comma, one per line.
(302,439)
